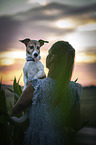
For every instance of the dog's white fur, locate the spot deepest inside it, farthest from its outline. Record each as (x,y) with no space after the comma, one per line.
(32,70)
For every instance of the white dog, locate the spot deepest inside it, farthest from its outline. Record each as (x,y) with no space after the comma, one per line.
(33,68)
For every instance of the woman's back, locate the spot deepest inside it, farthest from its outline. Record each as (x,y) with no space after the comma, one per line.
(46,124)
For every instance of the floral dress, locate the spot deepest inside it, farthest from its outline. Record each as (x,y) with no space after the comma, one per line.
(45,125)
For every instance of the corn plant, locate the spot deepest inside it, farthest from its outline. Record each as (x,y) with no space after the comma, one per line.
(5,134)
(11,132)
(17,91)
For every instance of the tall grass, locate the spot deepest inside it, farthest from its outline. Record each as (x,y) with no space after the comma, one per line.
(17,91)
(11,132)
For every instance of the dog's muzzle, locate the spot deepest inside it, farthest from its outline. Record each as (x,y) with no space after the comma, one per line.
(35,54)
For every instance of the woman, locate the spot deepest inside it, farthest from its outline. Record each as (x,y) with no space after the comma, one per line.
(53,102)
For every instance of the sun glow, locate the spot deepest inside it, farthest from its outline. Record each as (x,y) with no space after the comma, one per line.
(6,61)
(13,54)
(65,24)
(8,57)
(82,57)
(87,27)
(41,2)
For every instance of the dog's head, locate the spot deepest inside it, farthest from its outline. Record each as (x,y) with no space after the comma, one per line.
(33,47)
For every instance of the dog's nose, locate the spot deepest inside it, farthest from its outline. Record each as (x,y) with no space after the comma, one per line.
(35,54)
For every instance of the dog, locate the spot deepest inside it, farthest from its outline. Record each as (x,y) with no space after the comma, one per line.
(33,68)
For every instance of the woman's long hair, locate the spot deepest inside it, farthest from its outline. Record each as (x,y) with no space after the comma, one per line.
(64,55)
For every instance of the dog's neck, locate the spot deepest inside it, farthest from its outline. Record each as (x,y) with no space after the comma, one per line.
(29,57)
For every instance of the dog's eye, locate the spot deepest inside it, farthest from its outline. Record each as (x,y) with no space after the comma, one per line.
(31,47)
(38,47)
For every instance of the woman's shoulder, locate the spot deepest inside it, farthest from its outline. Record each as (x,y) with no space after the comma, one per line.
(74,84)
(74,91)
(75,87)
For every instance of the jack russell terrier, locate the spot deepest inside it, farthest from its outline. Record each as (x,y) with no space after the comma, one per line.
(33,68)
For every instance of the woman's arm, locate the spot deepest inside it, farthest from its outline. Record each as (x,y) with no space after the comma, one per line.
(24,100)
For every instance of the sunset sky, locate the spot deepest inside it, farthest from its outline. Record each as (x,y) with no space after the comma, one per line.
(52,20)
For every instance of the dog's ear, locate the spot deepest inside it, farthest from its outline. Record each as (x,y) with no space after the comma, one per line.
(42,42)
(25,41)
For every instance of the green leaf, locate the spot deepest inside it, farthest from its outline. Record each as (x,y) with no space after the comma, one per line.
(13,92)
(19,78)
(11,107)
(76,80)
(3,106)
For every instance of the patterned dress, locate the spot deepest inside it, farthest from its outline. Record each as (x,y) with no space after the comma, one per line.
(46,124)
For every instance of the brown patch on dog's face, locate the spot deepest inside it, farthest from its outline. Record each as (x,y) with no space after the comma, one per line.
(33,45)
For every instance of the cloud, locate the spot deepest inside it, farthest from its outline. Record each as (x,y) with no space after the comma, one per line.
(9,28)
(81,10)
(82,41)
(74,2)
(11,7)
(41,23)
(54,11)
